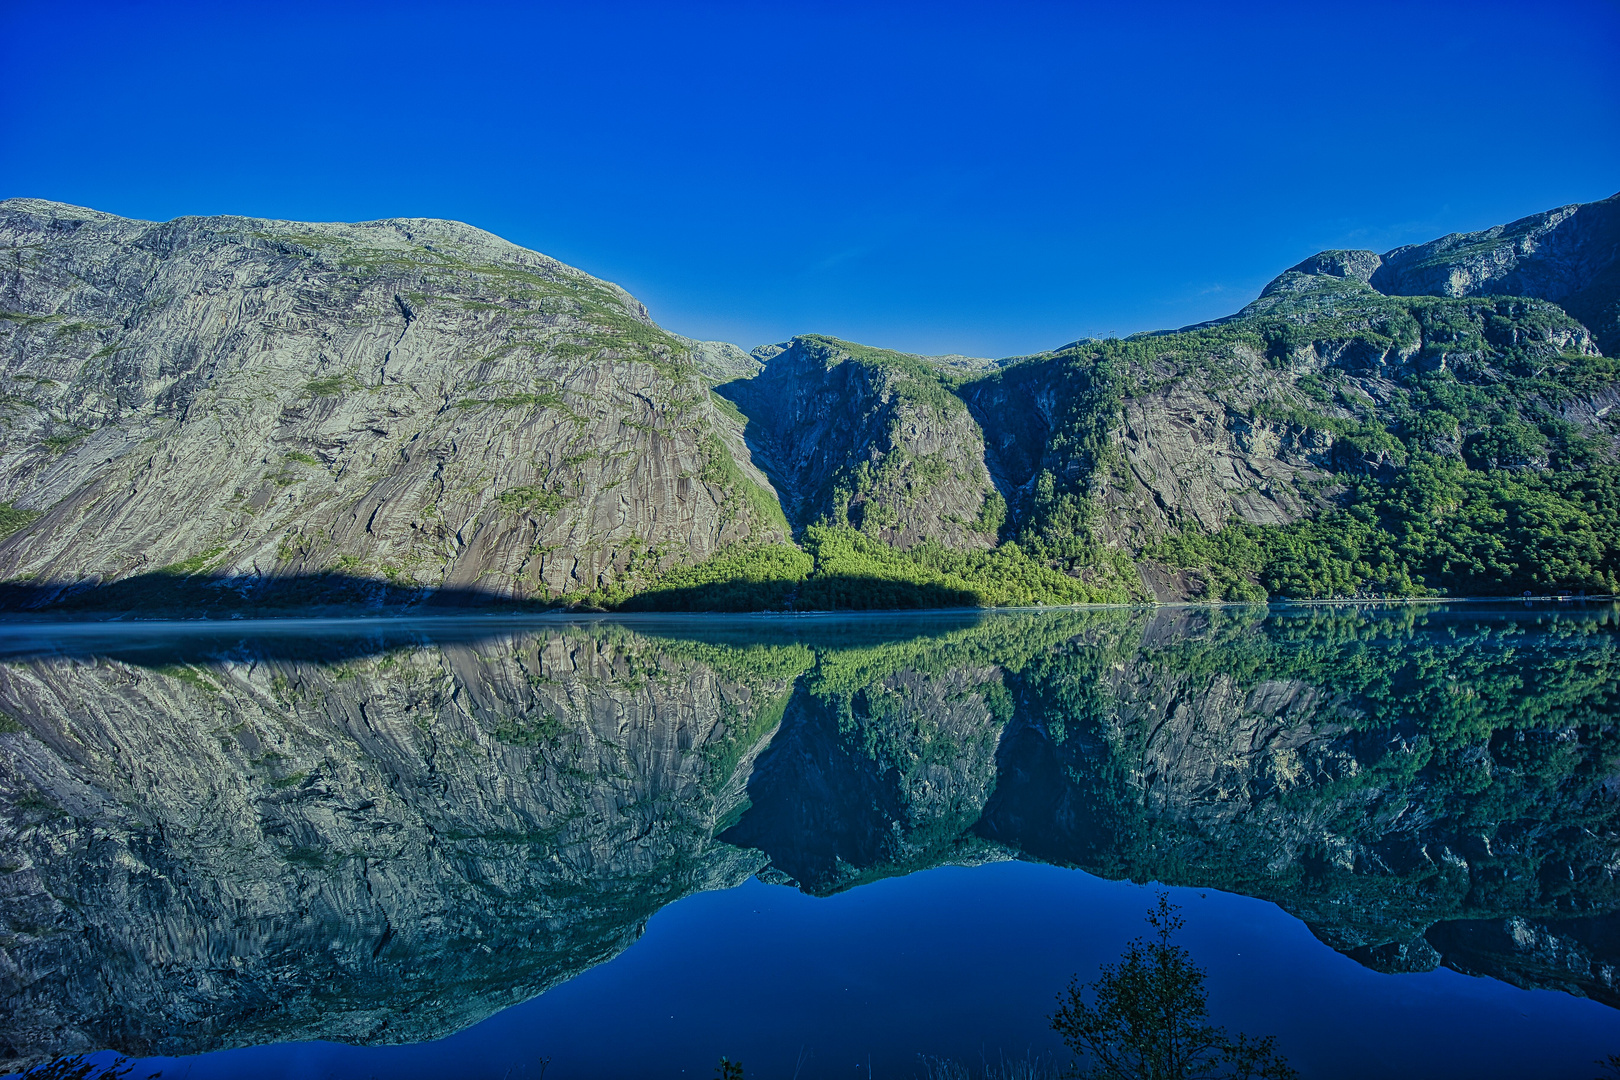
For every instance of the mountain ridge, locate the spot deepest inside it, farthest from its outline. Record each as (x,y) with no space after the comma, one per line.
(421,404)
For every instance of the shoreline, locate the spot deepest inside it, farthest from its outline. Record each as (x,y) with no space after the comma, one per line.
(11,622)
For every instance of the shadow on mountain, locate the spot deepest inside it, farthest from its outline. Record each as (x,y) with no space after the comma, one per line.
(163,595)
(746,395)
(830,592)
(314,642)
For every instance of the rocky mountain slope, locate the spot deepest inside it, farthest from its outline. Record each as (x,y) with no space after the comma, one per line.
(1436,407)
(1570,256)
(413,402)
(403,409)
(869,438)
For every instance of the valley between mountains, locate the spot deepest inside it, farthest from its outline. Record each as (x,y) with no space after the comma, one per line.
(232,414)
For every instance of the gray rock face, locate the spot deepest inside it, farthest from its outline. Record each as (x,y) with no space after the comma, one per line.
(1550,256)
(1353,265)
(409,400)
(418,403)
(721,361)
(1250,418)
(1569,256)
(1193,453)
(869,438)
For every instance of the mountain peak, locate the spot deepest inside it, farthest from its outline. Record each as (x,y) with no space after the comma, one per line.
(1569,255)
(1357,265)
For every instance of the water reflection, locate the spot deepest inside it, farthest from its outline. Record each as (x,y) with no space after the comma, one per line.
(384,832)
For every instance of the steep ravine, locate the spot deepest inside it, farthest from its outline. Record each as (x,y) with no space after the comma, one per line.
(869,438)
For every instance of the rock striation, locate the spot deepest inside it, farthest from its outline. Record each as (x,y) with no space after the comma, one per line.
(415,408)
(409,401)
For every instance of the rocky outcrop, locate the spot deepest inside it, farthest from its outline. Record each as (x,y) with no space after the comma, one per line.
(1254,418)
(408,400)
(869,438)
(1192,454)
(1569,256)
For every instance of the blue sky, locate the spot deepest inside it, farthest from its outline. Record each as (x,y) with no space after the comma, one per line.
(988,179)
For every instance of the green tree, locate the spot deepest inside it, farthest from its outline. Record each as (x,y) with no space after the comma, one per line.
(1148,1018)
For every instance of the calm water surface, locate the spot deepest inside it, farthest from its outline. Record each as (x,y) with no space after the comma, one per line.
(821,846)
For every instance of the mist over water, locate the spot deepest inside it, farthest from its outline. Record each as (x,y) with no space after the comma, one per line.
(818,845)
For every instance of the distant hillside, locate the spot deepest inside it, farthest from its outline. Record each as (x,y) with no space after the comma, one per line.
(1438,419)
(232,413)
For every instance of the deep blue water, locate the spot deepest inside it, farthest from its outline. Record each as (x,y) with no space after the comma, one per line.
(964,963)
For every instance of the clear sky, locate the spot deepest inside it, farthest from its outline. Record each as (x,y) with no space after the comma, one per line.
(988,179)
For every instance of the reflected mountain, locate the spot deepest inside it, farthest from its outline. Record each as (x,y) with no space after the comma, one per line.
(230,835)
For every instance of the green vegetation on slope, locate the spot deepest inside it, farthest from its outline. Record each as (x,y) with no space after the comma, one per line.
(13,518)
(1467,479)
(1437,527)
(851,567)
(1462,476)
(839,568)
(742,578)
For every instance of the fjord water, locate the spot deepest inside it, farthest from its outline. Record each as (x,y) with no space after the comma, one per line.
(821,845)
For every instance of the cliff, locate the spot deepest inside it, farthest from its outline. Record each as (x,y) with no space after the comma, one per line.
(869,438)
(203,412)
(410,402)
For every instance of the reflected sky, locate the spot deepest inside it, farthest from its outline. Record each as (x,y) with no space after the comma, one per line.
(959,962)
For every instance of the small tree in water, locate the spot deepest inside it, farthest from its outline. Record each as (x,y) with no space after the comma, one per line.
(1148,1018)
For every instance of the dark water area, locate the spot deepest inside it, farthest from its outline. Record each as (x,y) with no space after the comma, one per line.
(822,846)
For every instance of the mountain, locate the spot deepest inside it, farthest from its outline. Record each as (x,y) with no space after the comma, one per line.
(227,414)
(409,402)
